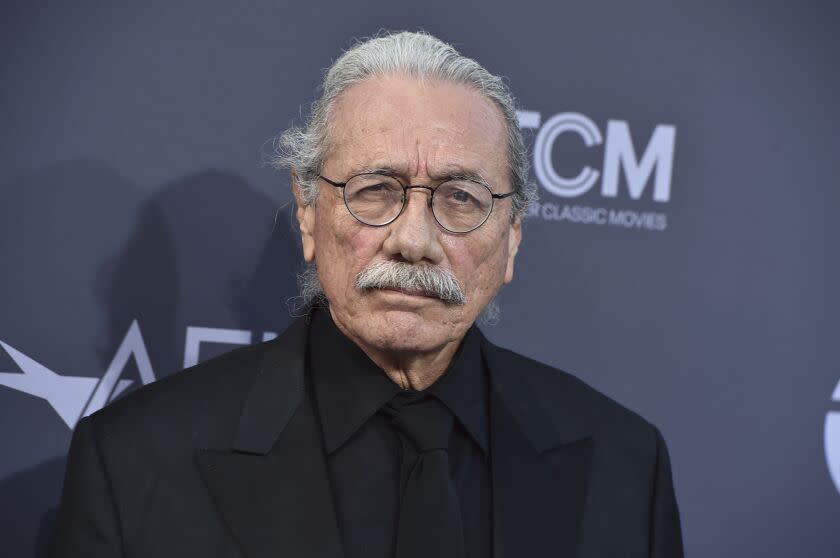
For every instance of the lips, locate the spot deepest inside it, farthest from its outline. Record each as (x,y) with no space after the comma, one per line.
(411,292)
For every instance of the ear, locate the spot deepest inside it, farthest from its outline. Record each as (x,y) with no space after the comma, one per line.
(514,238)
(306,219)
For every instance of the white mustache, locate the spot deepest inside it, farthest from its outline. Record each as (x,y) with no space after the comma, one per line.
(432,280)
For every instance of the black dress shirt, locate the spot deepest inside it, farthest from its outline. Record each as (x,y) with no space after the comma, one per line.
(367,458)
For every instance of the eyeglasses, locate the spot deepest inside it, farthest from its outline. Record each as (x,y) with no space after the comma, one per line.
(459,205)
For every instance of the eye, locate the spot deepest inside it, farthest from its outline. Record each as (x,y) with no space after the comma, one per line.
(461,196)
(373,188)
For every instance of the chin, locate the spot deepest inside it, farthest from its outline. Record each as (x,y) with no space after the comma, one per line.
(403,330)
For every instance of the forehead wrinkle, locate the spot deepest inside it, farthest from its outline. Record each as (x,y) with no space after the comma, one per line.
(397,157)
(467,164)
(439,162)
(435,149)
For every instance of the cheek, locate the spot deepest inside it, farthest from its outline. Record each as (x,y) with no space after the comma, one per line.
(480,266)
(342,249)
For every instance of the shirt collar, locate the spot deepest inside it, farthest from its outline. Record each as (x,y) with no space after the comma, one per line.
(349,388)
(463,389)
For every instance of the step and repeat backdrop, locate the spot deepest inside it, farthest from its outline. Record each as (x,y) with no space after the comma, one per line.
(682,258)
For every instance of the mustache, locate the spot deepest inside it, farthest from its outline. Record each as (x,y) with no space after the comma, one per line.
(431,279)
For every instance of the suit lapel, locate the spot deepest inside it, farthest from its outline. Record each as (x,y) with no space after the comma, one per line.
(271,486)
(540,466)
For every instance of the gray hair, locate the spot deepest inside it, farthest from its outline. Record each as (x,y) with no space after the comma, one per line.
(417,54)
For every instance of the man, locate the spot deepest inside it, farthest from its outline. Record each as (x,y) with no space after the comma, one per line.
(383,423)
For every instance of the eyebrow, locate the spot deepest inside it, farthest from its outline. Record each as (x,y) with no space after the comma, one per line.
(364,169)
(451,172)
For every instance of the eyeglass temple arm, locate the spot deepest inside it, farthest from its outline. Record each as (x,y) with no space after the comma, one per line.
(502,196)
(332,182)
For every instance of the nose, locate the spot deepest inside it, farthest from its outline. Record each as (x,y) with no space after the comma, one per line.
(414,235)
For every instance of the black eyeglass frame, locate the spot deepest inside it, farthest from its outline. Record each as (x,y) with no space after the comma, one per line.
(406,188)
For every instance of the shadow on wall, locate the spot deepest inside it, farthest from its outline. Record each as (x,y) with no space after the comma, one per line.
(203,250)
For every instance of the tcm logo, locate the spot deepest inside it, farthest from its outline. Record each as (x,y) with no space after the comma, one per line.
(620,157)
(832,440)
(74,397)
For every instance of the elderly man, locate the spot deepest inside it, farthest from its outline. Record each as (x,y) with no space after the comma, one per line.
(382,423)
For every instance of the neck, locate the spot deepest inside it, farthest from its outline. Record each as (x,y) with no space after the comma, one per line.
(414,371)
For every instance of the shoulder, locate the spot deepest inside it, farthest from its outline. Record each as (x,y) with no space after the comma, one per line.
(567,399)
(200,403)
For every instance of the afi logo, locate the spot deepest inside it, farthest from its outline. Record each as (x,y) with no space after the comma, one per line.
(619,156)
(74,397)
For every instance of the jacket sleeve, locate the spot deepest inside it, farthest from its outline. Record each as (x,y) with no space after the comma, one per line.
(86,522)
(666,533)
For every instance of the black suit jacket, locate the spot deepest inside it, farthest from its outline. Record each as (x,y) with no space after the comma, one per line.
(225,460)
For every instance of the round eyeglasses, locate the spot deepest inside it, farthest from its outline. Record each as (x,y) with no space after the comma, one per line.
(459,205)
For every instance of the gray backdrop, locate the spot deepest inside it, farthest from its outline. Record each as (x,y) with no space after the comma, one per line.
(690,272)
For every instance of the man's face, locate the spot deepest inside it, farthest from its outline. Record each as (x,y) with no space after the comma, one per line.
(423,132)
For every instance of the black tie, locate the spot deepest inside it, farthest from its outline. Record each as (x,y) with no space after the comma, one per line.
(430,517)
